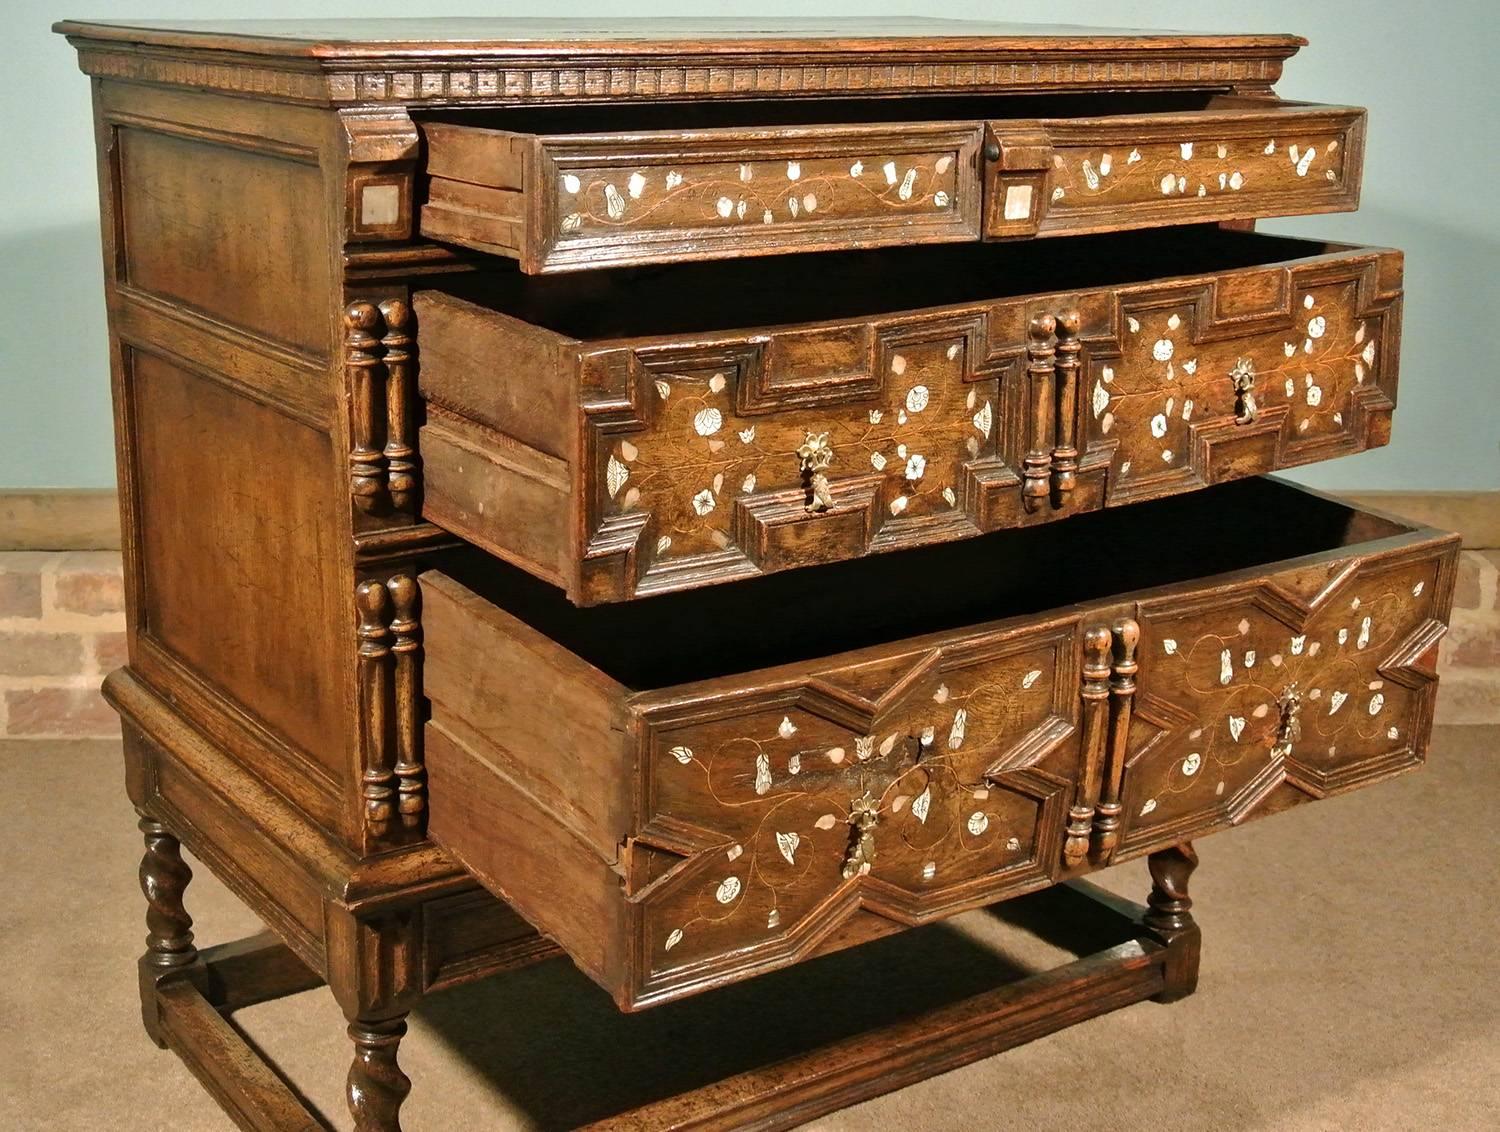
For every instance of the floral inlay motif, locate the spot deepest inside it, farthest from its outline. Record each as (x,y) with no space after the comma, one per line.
(1242,714)
(698,456)
(1166,380)
(1199,168)
(813,807)
(710,194)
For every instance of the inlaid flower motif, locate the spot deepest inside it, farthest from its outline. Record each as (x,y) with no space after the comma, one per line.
(978,822)
(984,420)
(636,185)
(786,728)
(571,183)
(728,890)
(787,843)
(1191,764)
(615,475)
(708,421)
(1163,349)
(916,466)
(674,179)
(864,746)
(614,203)
(917,398)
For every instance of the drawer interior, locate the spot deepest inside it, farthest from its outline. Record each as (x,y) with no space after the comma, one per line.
(801,614)
(703,297)
(560,120)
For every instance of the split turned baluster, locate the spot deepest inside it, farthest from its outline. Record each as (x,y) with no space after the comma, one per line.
(366,461)
(1125,635)
(1068,366)
(1095,727)
(400,456)
(373,602)
(1036,466)
(406,648)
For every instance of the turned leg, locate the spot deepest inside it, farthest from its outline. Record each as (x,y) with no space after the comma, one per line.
(376,1084)
(1169,917)
(169,929)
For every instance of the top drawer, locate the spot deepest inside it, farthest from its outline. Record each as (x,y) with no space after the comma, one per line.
(556,200)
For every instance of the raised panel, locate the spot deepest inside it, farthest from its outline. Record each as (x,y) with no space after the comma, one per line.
(235,551)
(199,220)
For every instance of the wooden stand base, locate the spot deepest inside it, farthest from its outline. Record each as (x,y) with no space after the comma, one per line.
(188,997)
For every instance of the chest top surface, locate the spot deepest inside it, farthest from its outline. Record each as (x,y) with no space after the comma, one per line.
(500,60)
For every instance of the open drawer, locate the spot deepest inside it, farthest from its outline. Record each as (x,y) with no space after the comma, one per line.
(651,430)
(692,789)
(759,179)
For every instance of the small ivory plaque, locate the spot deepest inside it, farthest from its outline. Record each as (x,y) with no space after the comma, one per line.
(1017,202)
(379,205)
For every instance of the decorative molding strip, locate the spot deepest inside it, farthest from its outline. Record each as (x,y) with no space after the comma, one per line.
(511,79)
(83,518)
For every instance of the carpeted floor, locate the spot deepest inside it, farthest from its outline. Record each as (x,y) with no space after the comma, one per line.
(1351,980)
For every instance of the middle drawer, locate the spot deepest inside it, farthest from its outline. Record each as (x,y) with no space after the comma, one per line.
(623,435)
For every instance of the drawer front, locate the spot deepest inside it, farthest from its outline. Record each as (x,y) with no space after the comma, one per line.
(569,202)
(711,457)
(762,818)
(910,786)
(1241,158)
(565,203)
(1301,685)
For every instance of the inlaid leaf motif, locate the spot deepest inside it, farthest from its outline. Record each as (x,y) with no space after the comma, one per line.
(1236,727)
(826,822)
(636,185)
(1031,678)
(1336,701)
(956,732)
(728,890)
(663,390)
(673,939)
(762,773)
(921,804)
(682,754)
(615,475)
(787,843)
(889,744)
(614,203)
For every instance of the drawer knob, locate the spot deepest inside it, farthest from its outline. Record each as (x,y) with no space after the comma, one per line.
(1243,377)
(864,813)
(815,456)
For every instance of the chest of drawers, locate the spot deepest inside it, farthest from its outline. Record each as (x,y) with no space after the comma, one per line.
(698,498)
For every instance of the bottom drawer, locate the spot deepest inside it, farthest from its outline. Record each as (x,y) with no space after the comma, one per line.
(690,789)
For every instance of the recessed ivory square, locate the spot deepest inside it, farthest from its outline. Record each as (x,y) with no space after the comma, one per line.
(1017,202)
(379,205)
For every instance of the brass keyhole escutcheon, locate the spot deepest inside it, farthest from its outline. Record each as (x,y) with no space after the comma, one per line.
(1243,377)
(816,456)
(864,814)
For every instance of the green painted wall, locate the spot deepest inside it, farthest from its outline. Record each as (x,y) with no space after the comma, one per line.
(1431,185)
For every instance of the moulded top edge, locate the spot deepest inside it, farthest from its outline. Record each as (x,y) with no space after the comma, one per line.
(856,39)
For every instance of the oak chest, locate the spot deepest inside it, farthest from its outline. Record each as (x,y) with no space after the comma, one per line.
(695,498)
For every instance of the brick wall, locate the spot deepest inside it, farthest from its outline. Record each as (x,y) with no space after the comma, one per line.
(62,627)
